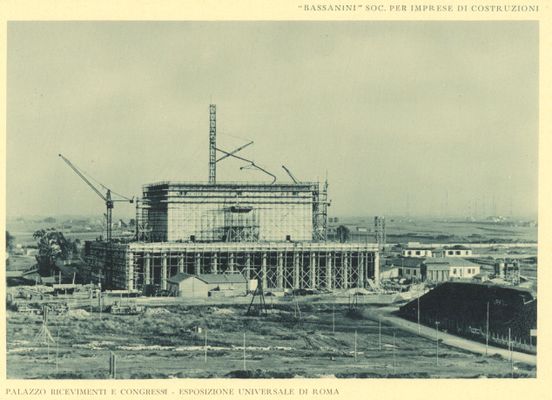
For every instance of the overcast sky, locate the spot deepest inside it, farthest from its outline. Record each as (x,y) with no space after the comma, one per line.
(400,115)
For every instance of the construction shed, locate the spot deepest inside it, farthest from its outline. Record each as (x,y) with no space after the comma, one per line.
(205,285)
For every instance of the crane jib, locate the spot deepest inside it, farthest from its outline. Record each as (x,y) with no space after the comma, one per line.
(109,202)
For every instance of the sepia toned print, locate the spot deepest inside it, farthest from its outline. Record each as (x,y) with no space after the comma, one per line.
(272,200)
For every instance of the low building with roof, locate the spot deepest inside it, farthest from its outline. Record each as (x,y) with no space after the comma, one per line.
(444,269)
(453,251)
(416,249)
(407,267)
(436,272)
(205,285)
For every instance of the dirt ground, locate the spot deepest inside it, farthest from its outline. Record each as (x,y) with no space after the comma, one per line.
(165,342)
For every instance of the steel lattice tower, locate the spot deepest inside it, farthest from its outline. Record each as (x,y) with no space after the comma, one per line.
(380,234)
(212,144)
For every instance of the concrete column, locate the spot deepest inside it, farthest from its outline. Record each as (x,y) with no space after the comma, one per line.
(263,270)
(334,268)
(350,263)
(152,271)
(280,271)
(197,270)
(214,263)
(376,266)
(329,271)
(164,272)
(361,269)
(181,258)
(296,270)
(248,267)
(345,270)
(147,269)
(231,262)
(312,270)
(130,271)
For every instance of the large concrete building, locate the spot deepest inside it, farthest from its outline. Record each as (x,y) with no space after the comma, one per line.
(271,232)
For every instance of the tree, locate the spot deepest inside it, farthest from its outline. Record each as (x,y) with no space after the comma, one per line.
(343,233)
(52,246)
(9,241)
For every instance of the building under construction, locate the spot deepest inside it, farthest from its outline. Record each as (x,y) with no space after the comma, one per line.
(271,232)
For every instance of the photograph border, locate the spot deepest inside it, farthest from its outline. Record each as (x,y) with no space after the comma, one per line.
(264,10)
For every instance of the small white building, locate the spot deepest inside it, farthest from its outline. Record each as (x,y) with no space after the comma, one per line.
(443,269)
(205,285)
(454,251)
(416,249)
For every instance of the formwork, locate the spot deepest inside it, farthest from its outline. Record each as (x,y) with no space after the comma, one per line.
(278,265)
(232,212)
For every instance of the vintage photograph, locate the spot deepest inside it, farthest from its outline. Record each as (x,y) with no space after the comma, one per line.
(272,199)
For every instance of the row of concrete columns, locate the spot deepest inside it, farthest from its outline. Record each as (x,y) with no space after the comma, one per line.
(297,274)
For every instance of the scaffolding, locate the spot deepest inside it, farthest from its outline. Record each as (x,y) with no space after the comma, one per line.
(273,232)
(320,213)
(143,228)
(379,231)
(241,224)
(212,144)
(183,211)
(277,265)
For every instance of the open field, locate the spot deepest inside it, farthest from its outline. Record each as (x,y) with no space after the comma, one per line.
(441,230)
(165,342)
(398,229)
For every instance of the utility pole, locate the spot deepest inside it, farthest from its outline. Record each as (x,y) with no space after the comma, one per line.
(333,319)
(112,365)
(419,328)
(487,334)
(205,345)
(394,345)
(510,347)
(244,367)
(355,345)
(379,336)
(57,351)
(100,302)
(437,340)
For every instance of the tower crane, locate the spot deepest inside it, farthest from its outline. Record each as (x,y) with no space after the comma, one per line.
(109,201)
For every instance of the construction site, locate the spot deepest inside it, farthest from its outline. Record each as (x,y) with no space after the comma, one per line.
(242,279)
